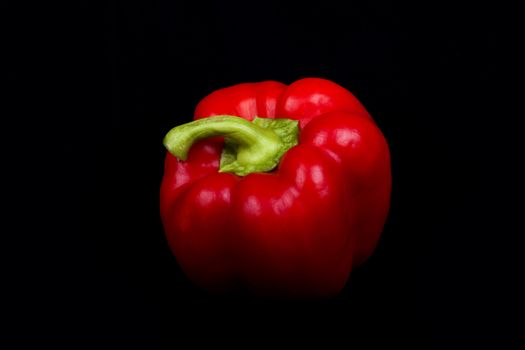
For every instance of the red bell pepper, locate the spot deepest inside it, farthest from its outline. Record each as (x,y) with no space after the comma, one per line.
(278,190)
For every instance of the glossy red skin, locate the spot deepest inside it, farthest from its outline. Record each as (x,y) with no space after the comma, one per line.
(294,232)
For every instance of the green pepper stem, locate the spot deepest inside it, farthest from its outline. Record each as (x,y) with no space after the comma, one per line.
(257,148)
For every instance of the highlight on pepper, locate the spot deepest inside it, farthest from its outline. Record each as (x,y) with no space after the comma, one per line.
(278,190)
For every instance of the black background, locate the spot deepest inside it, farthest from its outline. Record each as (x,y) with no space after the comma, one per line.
(135,69)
